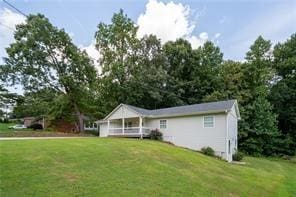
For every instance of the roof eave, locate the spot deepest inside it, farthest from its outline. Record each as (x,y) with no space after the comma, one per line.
(188,114)
(114,110)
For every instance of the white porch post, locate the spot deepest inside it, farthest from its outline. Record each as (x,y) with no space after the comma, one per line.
(108,126)
(140,126)
(122,125)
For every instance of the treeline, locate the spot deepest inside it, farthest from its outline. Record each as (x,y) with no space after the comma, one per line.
(60,80)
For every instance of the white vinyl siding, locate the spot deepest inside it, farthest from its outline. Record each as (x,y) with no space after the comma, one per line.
(162,124)
(188,131)
(208,122)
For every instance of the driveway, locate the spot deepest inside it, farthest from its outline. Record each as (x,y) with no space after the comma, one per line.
(37,138)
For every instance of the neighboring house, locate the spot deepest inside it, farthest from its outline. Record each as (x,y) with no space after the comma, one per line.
(191,126)
(28,121)
(89,124)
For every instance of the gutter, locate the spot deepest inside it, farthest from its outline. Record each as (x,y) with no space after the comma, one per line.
(187,114)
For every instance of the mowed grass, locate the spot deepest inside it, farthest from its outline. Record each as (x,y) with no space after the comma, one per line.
(4,127)
(132,167)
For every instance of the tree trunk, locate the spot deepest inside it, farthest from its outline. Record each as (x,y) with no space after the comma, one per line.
(80,119)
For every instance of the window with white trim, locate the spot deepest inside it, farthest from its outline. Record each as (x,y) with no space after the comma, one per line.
(209,122)
(162,124)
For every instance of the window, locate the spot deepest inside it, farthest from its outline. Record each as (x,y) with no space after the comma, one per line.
(208,122)
(128,124)
(163,124)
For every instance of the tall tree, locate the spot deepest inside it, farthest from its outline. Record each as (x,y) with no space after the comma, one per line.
(258,130)
(179,65)
(258,133)
(231,79)
(258,70)
(283,93)
(208,63)
(192,74)
(118,45)
(44,56)
(146,85)
(7,100)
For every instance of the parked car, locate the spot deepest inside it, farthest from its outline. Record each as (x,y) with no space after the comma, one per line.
(18,126)
(36,126)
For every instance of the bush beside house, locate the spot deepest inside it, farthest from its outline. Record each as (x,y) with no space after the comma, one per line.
(156,135)
(238,156)
(208,151)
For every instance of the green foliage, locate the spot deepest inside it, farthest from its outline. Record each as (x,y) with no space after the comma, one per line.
(231,78)
(34,103)
(249,83)
(192,74)
(60,80)
(155,134)
(43,56)
(238,156)
(258,130)
(7,99)
(208,151)
(117,44)
(283,93)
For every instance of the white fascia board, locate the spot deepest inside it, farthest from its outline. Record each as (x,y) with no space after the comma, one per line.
(187,114)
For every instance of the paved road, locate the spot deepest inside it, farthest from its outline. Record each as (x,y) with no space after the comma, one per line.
(38,138)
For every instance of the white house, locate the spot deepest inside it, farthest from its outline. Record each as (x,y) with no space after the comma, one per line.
(192,126)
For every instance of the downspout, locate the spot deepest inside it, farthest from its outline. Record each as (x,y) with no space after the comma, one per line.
(227,136)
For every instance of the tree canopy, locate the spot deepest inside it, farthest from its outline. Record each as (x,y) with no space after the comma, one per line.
(145,73)
(43,56)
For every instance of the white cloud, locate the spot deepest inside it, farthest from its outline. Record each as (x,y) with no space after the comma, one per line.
(8,21)
(169,21)
(195,41)
(93,53)
(204,36)
(217,35)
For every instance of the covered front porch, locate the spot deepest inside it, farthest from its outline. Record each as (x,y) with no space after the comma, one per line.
(128,127)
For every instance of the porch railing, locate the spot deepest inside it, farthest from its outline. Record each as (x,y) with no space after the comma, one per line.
(129,131)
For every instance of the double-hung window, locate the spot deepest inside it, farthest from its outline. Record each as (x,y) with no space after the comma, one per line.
(163,124)
(208,122)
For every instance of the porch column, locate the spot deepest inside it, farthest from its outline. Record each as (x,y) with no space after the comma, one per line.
(122,125)
(140,126)
(108,126)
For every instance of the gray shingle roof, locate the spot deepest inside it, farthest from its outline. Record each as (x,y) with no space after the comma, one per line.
(187,109)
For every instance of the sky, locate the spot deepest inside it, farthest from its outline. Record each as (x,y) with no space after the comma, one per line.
(233,25)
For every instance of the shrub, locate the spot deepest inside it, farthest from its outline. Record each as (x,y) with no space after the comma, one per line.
(238,156)
(5,120)
(155,135)
(208,151)
(36,126)
(93,132)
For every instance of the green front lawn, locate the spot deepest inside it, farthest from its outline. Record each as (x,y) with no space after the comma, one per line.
(4,127)
(132,167)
